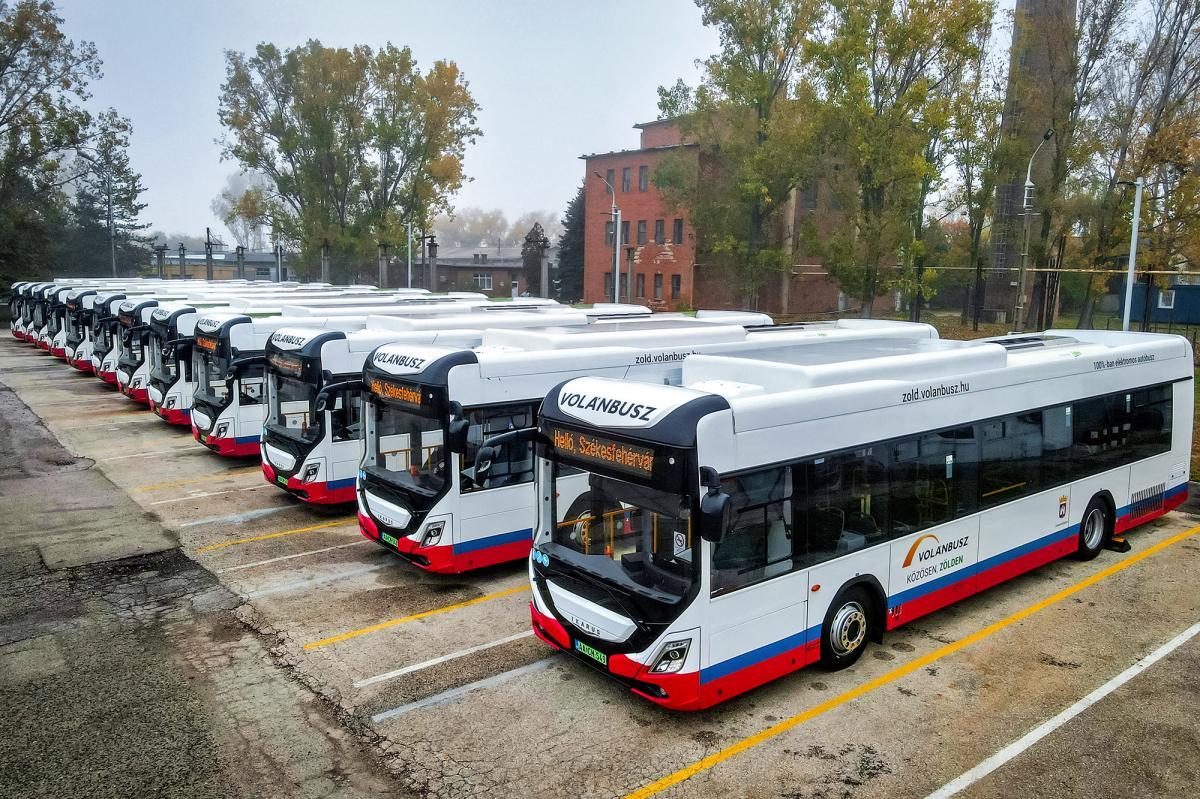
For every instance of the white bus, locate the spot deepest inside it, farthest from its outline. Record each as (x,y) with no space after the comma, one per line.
(784,510)
(228,360)
(428,411)
(312,437)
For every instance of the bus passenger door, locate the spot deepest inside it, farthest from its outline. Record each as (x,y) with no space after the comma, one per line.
(496,517)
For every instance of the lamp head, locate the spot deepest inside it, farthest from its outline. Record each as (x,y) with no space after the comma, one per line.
(1048,134)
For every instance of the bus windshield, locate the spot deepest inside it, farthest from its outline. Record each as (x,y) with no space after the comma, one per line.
(292,410)
(212,377)
(408,450)
(628,533)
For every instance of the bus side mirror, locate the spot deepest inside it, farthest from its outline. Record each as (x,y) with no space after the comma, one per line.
(716,509)
(483,463)
(456,436)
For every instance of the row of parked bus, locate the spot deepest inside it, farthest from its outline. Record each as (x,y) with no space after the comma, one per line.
(705,502)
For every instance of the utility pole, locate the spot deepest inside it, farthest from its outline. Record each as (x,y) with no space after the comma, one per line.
(1133,243)
(112,236)
(160,255)
(182,260)
(325,261)
(278,262)
(1019,311)
(544,257)
(208,254)
(616,218)
(629,251)
(410,253)
(433,275)
(383,264)
(240,254)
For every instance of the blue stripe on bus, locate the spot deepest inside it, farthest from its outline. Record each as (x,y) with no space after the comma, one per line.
(755,656)
(349,481)
(493,541)
(247,439)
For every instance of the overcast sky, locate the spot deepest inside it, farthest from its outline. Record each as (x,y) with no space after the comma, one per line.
(554,80)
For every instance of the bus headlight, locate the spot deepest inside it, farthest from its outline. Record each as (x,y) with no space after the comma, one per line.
(221,430)
(170,403)
(433,534)
(672,658)
(310,472)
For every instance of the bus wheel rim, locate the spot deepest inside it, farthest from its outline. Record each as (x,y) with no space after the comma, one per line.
(848,629)
(1093,530)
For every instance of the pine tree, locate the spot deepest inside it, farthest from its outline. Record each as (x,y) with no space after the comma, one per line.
(569,286)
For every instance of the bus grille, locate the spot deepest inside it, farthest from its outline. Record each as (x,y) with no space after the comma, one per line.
(1148,500)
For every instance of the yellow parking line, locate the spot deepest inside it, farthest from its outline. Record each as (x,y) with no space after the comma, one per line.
(267,536)
(208,478)
(770,732)
(423,614)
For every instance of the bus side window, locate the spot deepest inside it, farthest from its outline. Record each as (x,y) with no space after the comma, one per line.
(251,385)
(842,504)
(514,462)
(758,544)
(934,479)
(346,416)
(1012,454)
(1056,446)
(1100,431)
(1150,422)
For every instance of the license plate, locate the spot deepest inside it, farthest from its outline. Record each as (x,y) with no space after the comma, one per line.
(593,653)
(391,539)
(203,438)
(282,481)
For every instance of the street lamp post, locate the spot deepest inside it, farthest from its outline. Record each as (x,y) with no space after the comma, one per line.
(616,217)
(1019,311)
(433,275)
(325,261)
(629,252)
(160,253)
(182,260)
(240,254)
(383,264)
(1133,243)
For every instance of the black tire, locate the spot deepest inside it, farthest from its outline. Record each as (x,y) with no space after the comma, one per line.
(847,628)
(1094,529)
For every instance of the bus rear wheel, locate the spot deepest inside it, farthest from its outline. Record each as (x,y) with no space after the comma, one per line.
(1094,529)
(846,629)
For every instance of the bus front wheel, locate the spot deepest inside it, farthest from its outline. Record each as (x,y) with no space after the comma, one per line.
(846,629)
(1094,529)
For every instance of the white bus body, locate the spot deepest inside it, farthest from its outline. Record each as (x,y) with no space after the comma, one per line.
(314,454)
(786,509)
(433,512)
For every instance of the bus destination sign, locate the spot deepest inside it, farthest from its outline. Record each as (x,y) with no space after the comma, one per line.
(285,364)
(603,451)
(396,392)
(206,343)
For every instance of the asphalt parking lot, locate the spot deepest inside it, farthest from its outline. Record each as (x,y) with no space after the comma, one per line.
(420,684)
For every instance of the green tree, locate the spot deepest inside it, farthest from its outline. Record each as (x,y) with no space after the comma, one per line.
(753,136)
(531,258)
(355,142)
(570,251)
(43,83)
(887,71)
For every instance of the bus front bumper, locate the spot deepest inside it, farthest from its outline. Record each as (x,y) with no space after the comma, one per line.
(83,365)
(107,377)
(227,447)
(177,416)
(673,691)
(451,558)
(139,395)
(333,492)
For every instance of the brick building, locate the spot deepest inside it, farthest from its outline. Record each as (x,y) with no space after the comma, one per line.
(660,241)
(494,271)
(657,237)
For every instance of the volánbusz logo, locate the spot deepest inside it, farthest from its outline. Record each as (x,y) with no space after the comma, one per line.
(608,405)
(287,338)
(399,359)
(929,554)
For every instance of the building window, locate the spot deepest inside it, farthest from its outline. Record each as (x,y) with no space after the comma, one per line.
(482,280)
(608,284)
(643,178)
(1166,300)
(676,285)
(642,232)
(677,236)
(660,232)
(624,232)
(611,177)
(641,285)
(608,234)
(658,286)
(626,176)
